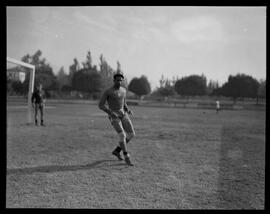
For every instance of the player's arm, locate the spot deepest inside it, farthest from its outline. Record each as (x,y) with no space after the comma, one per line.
(126,108)
(102,105)
(44,97)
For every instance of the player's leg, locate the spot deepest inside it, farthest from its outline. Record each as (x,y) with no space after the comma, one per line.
(42,114)
(36,114)
(119,129)
(122,140)
(128,127)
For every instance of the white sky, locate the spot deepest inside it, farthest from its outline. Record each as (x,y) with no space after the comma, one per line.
(148,40)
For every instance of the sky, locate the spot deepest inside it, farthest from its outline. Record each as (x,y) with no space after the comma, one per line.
(173,41)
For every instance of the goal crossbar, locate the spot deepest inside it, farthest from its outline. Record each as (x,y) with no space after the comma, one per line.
(20,63)
(31,84)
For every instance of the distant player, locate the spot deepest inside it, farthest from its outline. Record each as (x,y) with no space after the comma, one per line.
(217,106)
(38,102)
(118,111)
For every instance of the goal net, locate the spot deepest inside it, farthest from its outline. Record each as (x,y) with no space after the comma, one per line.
(20,84)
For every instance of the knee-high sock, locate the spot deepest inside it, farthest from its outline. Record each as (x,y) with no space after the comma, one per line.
(123,146)
(119,149)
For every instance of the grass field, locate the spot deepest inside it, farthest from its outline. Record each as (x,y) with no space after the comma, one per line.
(184,159)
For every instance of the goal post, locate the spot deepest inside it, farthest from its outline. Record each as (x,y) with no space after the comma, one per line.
(31,83)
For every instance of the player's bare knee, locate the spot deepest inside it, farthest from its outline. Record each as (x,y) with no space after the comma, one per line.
(122,136)
(130,135)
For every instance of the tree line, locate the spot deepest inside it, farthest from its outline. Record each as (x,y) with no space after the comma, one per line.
(85,77)
(237,86)
(90,80)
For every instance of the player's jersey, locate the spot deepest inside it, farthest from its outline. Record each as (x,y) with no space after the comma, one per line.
(38,97)
(115,99)
(217,102)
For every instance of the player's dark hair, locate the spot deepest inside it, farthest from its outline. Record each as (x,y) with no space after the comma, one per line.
(118,75)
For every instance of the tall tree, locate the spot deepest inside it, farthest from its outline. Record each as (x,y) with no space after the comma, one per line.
(106,72)
(90,82)
(88,63)
(240,85)
(43,71)
(140,86)
(261,93)
(211,87)
(62,77)
(118,66)
(75,67)
(166,87)
(36,58)
(191,86)
(105,69)
(26,58)
(262,89)
(17,87)
(162,81)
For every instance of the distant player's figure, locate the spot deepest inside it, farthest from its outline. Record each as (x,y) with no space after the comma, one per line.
(217,106)
(118,111)
(38,102)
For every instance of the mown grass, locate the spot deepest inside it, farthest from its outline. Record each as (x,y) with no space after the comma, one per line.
(184,159)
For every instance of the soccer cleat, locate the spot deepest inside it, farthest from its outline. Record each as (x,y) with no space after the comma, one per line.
(127,160)
(42,124)
(117,154)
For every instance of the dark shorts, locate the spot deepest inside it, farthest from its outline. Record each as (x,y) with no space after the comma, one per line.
(39,106)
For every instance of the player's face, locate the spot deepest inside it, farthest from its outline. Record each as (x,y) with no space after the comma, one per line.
(118,80)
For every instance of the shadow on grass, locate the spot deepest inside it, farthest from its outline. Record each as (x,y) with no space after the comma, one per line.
(62,168)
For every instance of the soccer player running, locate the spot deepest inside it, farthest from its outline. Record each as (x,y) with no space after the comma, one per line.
(118,111)
(38,102)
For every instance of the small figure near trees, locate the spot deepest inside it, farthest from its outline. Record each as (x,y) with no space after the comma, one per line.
(217,106)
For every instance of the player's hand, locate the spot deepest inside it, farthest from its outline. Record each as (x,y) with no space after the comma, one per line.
(130,112)
(113,115)
(33,105)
